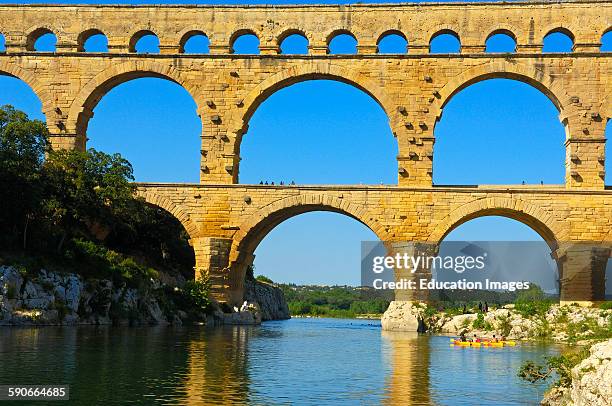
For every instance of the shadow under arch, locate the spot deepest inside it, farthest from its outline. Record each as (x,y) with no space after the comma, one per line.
(260,223)
(90,95)
(138,36)
(166,204)
(306,72)
(35,33)
(242,32)
(87,34)
(186,36)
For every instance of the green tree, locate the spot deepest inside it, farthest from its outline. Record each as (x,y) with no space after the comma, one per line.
(88,193)
(23,143)
(534,293)
(532,301)
(263,278)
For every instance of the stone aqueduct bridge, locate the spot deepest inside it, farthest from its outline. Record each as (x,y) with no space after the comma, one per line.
(226,221)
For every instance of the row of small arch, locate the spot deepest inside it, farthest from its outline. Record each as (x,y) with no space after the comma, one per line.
(391,41)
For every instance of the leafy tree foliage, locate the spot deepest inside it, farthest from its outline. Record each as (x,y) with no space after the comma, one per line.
(334,301)
(533,302)
(22,146)
(559,366)
(88,190)
(79,207)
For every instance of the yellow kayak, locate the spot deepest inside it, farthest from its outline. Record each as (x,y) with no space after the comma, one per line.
(454,341)
(465,343)
(494,344)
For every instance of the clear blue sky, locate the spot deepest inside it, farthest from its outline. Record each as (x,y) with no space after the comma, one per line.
(325,132)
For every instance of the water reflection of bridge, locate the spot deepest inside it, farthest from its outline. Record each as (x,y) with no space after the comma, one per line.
(218,368)
(407,354)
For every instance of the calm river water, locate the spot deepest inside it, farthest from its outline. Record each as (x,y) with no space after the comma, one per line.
(298,361)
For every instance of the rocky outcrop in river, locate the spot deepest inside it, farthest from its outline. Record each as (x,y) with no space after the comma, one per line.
(401,316)
(591,381)
(270,299)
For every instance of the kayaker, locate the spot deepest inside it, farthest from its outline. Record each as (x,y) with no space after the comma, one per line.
(476,339)
(462,336)
(494,339)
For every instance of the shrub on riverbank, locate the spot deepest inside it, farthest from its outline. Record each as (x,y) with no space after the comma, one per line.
(582,375)
(559,366)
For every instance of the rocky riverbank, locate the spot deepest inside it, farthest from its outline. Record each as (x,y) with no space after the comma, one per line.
(570,323)
(591,383)
(270,298)
(51,298)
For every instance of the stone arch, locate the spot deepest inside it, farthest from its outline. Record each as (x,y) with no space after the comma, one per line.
(10,69)
(442,29)
(239,33)
(85,35)
(339,31)
(504,69)
(557,27)
(36,32)
(507,29)
(166,204)
(88,97)
(186,35)
(293,31)
(603,31)
(137,36)
(390,32)
(312,70)
(258,225)
(531,215)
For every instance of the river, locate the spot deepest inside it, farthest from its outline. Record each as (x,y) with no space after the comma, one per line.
(298,361)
